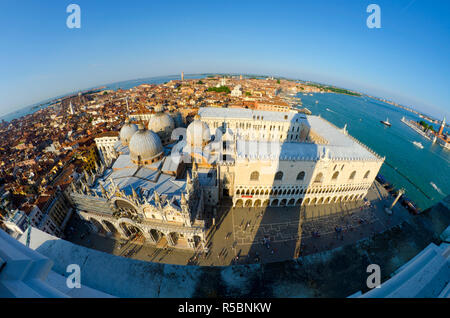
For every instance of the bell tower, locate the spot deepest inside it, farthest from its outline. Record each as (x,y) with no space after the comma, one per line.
(441,129)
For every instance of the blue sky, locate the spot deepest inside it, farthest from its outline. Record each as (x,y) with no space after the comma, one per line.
(407,60)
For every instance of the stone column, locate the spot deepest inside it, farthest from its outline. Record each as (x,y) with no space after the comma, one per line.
(121,232)
(146,234)
(151,238)
(169,239)
(191,242)
(400,193)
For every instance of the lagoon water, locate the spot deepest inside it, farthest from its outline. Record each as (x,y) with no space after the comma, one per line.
(423,173)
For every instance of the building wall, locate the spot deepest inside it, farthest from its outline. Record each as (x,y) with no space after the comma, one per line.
(260,129)
(57,215)
(105,146)
(293,189)
(164,219)
(141,117)
(53,218)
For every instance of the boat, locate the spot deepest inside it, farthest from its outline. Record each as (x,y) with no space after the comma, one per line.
(412,208)
(386,122)
(418,144)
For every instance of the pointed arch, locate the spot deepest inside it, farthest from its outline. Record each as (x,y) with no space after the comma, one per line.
(254,176)
(335,176)
(301,176)
(279,175)
(318,178)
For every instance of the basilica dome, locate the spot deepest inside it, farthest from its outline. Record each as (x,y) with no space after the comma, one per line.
(127,131)
(161,123)
(145,147)
(197,133)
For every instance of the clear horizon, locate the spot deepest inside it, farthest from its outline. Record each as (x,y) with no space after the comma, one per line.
(405,61)
(192,74)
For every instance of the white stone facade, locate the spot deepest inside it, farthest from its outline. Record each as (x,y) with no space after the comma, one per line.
(286,159)
(290,182)
(105,146)
(256,158)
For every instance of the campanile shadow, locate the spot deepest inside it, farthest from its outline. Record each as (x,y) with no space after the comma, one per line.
(268,228)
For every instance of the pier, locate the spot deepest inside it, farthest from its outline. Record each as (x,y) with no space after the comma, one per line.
(414,127)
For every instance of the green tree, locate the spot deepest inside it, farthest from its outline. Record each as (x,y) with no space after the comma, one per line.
(221,89)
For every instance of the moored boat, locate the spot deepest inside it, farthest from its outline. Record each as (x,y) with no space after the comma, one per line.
(386,122)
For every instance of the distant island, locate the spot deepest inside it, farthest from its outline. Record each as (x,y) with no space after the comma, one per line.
(332,89)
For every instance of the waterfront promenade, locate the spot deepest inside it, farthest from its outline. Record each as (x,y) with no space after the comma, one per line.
(261,235)
(411,124)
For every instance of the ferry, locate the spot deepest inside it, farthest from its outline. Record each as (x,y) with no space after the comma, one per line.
(418,144)
(386,122)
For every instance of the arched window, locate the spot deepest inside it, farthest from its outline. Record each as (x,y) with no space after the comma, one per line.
(301,176)
(319,178)
(366,175)
(352,175)
(335,175)
(254,176)
(279,175)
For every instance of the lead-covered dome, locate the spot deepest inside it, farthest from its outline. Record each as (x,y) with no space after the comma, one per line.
(197,133)
(145,147)
(161,123)
(127,131)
